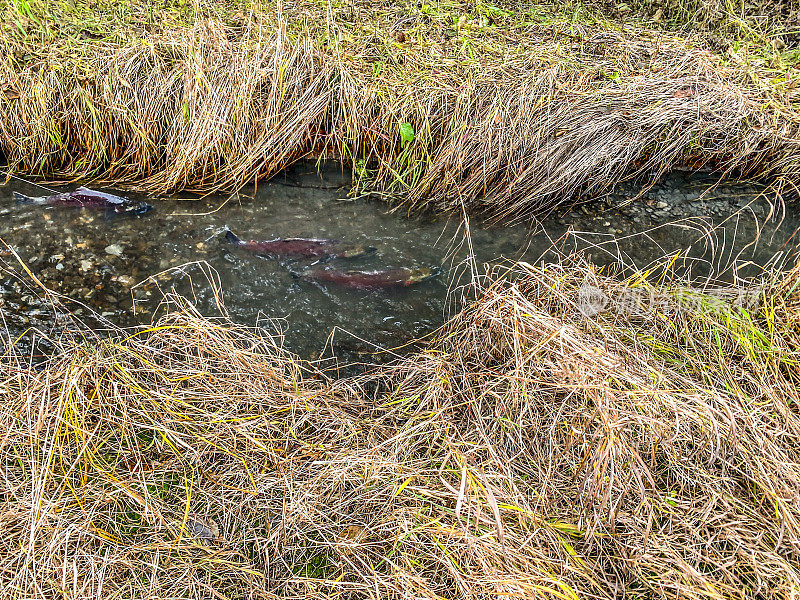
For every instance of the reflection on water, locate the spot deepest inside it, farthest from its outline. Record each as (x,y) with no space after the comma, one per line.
(108,265)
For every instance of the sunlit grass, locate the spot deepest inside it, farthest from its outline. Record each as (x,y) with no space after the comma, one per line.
(527,451)
(504,108)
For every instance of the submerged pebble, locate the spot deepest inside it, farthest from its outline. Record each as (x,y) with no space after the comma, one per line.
(114,249)
(125,280)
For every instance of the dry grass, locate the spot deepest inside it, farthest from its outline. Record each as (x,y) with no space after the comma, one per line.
(730,18)
(511,109)
(527,452)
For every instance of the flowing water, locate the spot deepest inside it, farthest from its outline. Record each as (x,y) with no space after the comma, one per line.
(115,268)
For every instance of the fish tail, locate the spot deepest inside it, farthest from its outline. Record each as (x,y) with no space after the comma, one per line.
(232,237)
(23,199)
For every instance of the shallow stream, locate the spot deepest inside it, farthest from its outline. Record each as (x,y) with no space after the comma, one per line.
(108,266)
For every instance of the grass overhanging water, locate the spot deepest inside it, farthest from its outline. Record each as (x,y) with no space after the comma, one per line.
(507,109)
(570,433)
(539,446)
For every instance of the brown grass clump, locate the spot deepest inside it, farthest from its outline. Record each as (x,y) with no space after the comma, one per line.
(759,18)
(664,429)
(560,438)
(510,111)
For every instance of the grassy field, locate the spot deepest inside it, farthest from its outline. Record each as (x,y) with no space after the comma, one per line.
(572,433)
(505,108)
(648,448)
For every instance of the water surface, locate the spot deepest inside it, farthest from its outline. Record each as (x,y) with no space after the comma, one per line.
(111,265)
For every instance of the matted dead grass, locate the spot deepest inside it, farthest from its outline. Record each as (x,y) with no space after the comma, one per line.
(432,106)
(529,451)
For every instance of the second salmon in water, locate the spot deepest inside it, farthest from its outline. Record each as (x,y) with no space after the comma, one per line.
(370,280)
(85,198)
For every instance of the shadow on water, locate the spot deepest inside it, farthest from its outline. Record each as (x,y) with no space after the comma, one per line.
(117,271)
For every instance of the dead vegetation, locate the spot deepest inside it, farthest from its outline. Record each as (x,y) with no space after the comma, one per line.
(649,450)
(738,17)
(507,110)
(569,434)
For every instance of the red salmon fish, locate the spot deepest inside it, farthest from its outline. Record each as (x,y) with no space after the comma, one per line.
(377,279)
(85,198)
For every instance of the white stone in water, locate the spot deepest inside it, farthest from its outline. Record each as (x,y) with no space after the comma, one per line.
(59,266)
(86,265)
(125,280)
(661,205)
(114,249)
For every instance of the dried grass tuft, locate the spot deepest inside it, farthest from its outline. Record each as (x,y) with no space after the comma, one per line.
(509,116)
(528,451)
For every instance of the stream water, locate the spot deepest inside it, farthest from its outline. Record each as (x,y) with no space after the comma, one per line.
(115,268)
